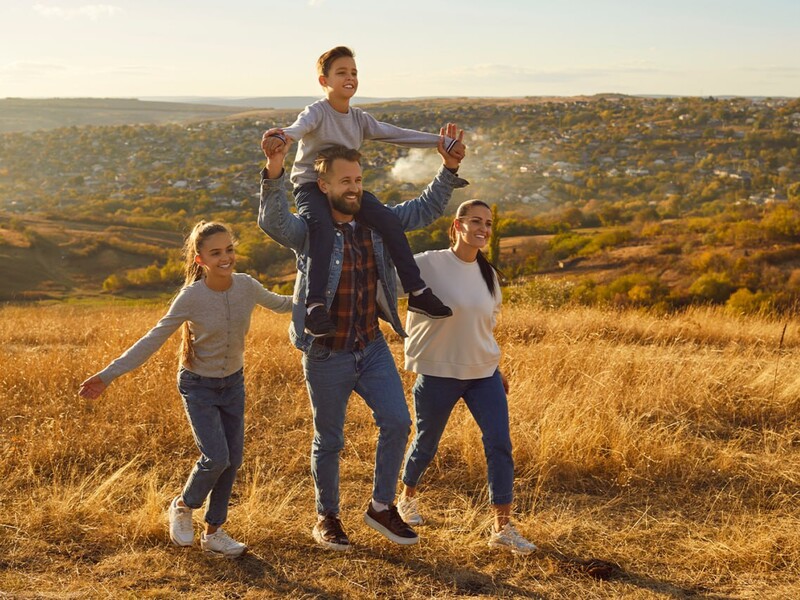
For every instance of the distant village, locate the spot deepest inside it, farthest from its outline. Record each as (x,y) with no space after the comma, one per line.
(540,155)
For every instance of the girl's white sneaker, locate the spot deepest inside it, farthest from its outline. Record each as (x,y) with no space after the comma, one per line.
(222,544)
(409,511)
(181,531)
(508,537)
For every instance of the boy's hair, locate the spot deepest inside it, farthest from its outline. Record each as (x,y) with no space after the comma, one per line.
(324,160)
(325,61)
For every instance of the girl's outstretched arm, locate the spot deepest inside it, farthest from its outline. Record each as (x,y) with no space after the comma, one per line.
(92,387)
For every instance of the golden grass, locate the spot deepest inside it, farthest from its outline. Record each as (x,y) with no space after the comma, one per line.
(667,445)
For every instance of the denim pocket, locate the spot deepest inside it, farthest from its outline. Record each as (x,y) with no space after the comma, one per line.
(185,375)
(318,353)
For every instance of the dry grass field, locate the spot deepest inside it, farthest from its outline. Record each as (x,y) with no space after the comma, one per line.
(667,446)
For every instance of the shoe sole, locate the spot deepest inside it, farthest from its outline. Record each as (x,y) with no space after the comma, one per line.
(329,545)
(176,542)
(320,335)
(388,534)
(430,316)
(216,554)
(512,548)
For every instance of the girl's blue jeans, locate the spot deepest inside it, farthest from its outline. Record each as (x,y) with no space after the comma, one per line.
(215,408)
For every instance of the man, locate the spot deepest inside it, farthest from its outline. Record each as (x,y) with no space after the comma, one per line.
(361,287)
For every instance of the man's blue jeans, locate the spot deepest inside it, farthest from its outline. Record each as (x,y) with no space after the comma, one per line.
(434,400)
(215,408)
(331,377)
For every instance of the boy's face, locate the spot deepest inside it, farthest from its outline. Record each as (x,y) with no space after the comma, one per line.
(342,78)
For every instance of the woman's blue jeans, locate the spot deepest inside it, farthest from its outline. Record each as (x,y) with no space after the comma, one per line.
(434,400)
(215,408)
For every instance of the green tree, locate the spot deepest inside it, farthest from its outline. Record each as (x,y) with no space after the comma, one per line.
(494,240)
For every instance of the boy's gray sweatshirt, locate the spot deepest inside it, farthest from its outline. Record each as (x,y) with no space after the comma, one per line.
(320,126)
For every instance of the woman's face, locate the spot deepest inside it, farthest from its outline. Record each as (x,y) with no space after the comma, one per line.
(475,227)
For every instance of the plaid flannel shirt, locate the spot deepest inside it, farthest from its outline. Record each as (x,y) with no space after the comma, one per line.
(354,307)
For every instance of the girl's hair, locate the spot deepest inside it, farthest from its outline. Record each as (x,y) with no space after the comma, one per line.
(488,270)
(194,272)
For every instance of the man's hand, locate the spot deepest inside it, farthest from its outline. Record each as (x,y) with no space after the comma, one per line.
(273,139)
(453,158)
(275,153)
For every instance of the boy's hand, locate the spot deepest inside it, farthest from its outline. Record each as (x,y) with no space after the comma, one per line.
(275,158)
(452,159)
(273,139)
(92,388)
(458,150)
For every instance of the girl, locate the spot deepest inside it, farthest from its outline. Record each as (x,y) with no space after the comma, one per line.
(213,309)
(458,358)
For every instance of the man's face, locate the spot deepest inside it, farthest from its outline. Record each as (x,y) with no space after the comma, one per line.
(342,186)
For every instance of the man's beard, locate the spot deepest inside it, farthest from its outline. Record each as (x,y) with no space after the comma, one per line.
(345,206)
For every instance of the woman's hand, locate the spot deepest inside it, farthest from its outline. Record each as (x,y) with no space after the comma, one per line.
(92,388)
(505,382)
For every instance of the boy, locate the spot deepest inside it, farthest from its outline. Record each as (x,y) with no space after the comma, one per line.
(330,121)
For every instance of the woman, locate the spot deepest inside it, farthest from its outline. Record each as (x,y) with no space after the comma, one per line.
(458,358)
(213,309)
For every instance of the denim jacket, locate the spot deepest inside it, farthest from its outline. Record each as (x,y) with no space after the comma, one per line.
(290,230)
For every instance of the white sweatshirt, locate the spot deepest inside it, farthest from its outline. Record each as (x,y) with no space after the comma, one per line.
(461,346)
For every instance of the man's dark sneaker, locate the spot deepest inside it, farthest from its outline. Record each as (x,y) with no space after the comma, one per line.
(318,323)
(329,533)
(428,304)
(390,524)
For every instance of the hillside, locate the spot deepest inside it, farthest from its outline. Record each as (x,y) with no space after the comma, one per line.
(25,114)
(634,201)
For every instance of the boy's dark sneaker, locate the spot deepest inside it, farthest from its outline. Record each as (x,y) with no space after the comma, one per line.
(428,304)
(318,323)
(329,533)
(389,524)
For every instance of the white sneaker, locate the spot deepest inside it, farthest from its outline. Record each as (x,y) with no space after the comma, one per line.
(222,544)
(508,537)
(409,510)
(181,531)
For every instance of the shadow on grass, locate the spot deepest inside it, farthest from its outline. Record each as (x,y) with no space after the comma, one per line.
(259,573)
(609,571)
(270,573)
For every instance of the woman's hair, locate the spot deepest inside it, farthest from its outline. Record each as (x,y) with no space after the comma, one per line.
(488,270)
(194,272)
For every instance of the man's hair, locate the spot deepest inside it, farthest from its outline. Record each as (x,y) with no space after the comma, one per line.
(325,61)
(324,160)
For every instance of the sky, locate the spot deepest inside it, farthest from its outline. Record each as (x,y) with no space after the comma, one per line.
(406,48)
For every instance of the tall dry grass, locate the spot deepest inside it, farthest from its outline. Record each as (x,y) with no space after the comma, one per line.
(665,445)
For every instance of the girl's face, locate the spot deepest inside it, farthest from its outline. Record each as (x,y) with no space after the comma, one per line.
(475,227)
(217,255)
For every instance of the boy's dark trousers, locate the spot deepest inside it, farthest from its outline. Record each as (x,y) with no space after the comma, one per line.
(313,206)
